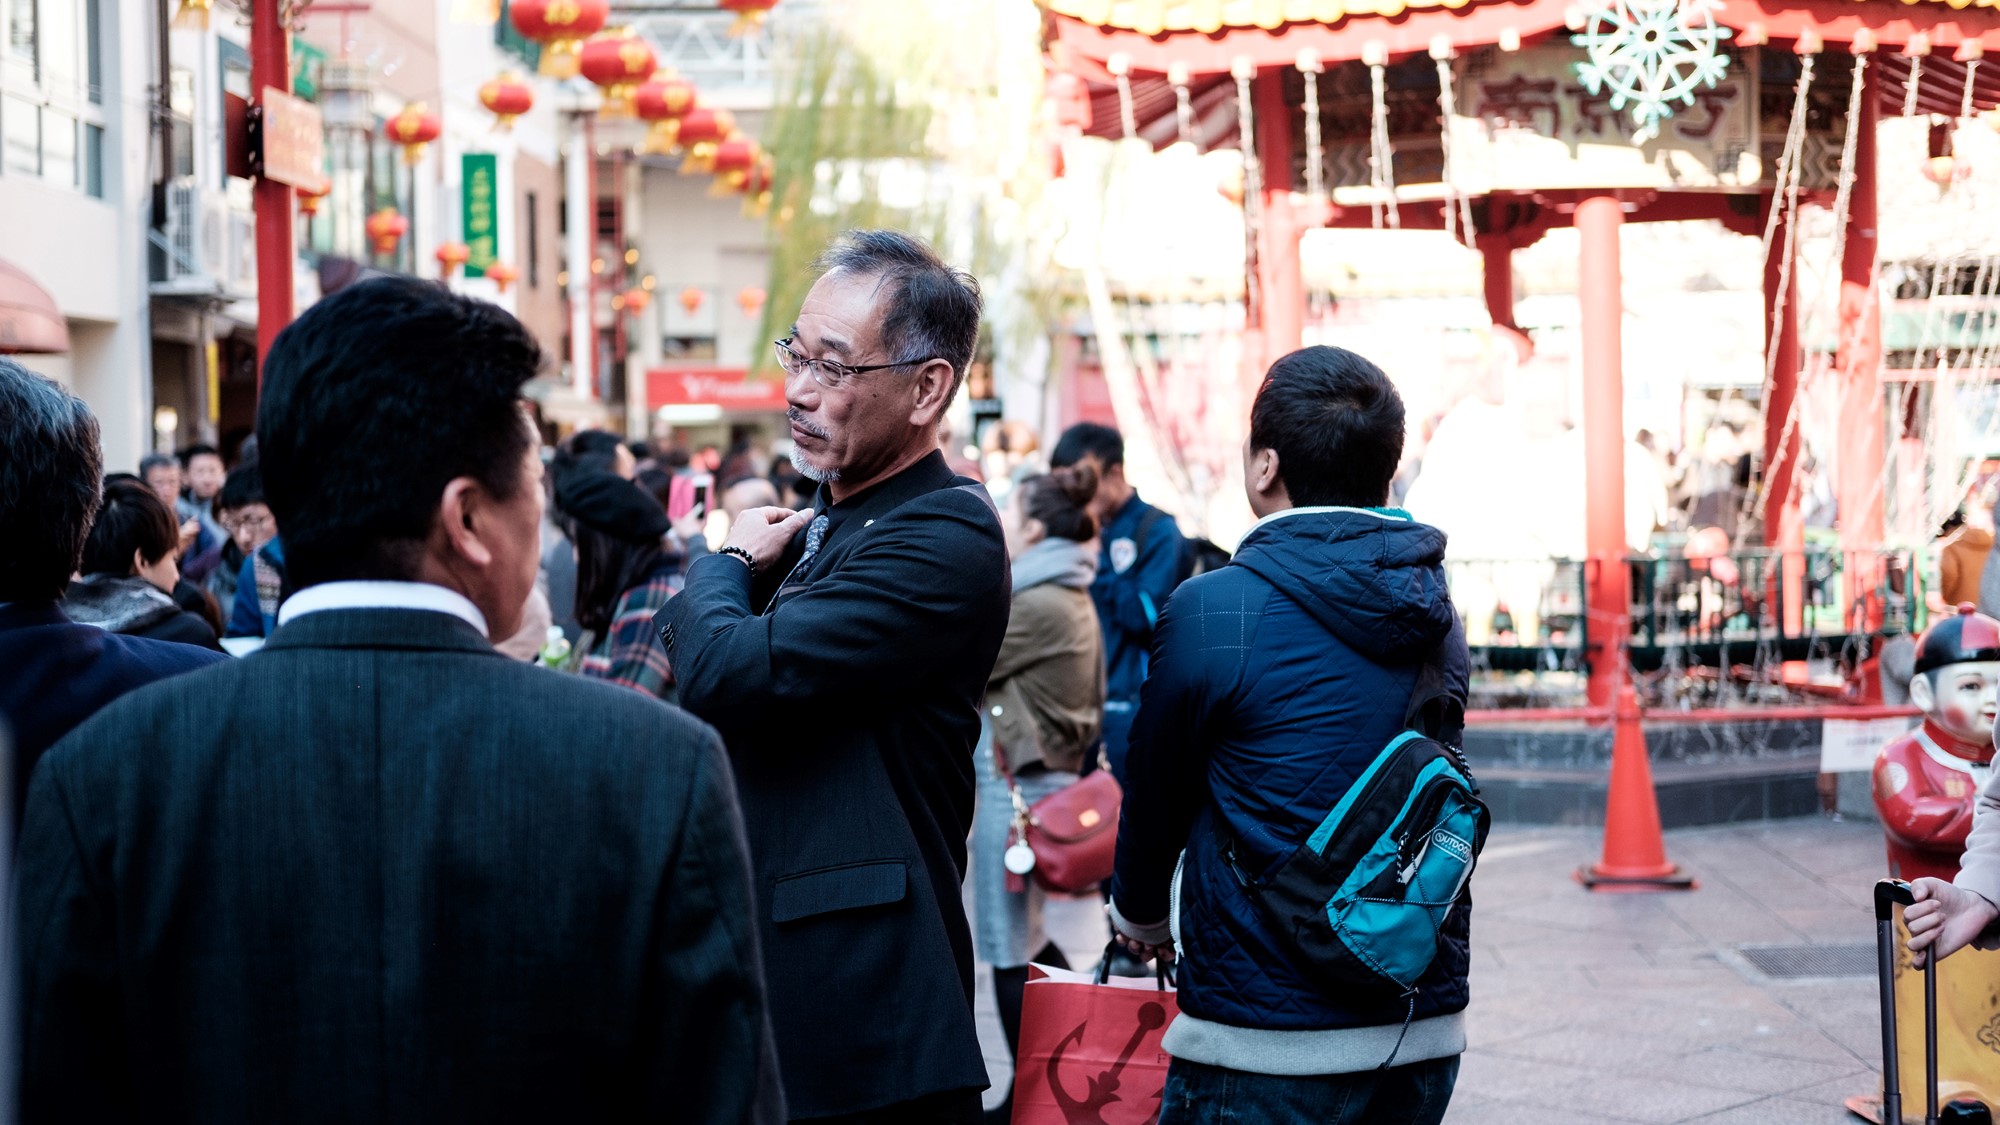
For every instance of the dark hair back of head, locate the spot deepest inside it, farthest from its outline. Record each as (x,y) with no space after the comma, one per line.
(132,519)
(933,308)
(243,487)
(1336,423)
(606,567)
(1093,438)
(1060,498)
(50,466)
(373,401)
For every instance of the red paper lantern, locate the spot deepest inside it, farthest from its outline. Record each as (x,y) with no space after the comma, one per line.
(749,14)
(450,256)
(757,187)
(702,131)
(637,300)
(385,228)
(506,98)
(501,275)
(1069,97)
(617,61)
(691,299)
(750,299)
(413,128)
(560,26)
(735,159)
(663,101)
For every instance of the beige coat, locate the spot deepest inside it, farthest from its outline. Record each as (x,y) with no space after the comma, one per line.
(1979,869)
(1046,695)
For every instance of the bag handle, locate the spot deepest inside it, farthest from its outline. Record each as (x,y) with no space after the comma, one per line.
(1165,973)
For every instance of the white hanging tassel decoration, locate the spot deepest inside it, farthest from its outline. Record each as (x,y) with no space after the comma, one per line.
(1177,76)
(1458,217)
(1381,158)
(1243,69)
(1121,69)
(1309,66)
(1918,47)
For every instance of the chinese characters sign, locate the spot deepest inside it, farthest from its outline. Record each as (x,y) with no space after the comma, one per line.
(481,189)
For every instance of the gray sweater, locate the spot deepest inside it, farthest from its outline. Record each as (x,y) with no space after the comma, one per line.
(1979,870)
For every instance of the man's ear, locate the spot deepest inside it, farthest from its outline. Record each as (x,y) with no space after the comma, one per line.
(934,381)
(463,506)
(1264,470)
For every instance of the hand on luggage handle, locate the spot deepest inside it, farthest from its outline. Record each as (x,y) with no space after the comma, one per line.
(1889,893)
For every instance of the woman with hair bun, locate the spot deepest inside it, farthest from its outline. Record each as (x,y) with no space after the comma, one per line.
(1044,703)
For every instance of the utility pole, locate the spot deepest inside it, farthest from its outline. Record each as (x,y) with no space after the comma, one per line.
(270,69)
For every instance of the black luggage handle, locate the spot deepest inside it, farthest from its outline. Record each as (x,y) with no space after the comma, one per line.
(1889,893)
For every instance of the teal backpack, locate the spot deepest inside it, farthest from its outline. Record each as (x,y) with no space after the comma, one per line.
(1360,904)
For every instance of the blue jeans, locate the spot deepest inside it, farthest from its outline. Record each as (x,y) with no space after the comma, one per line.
(1412,1094)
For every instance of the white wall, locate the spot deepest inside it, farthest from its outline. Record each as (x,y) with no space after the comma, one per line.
(690,238)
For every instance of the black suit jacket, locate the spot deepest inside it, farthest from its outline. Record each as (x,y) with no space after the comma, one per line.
(55,673)
(378,872)
(850,707)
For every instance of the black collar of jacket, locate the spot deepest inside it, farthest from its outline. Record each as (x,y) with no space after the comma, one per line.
(28,615)
(380,628)
(927,475)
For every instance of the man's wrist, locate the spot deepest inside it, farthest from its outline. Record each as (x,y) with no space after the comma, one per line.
(739,553)
(1157,933)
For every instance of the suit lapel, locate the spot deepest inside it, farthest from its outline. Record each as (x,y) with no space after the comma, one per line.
(926,476)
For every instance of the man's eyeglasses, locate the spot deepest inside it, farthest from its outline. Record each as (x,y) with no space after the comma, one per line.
(826,372)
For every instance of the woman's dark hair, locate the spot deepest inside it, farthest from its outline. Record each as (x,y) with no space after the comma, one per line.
(132,519)
(1060,498)
(606,567)
(1336,423)
(657,482)
(373,401)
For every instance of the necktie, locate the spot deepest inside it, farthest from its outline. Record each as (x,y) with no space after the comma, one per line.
(815,536)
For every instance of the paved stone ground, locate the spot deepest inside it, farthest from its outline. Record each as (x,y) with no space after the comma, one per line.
(1626,1008)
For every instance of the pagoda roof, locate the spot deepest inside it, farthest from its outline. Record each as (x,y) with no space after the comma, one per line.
(1209,36)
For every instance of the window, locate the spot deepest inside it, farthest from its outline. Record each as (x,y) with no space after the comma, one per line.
(21,134)
(532,238)
(51,92)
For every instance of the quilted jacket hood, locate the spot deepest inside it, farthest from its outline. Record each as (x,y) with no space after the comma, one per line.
(1373,577)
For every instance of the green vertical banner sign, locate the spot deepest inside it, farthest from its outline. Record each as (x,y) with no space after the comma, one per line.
(481,182)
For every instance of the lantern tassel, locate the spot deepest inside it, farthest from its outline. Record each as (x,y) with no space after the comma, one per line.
(193,15)
(748,23)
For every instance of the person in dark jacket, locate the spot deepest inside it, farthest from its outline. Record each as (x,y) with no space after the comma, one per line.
(54,672)
(129,571)
(377,871)
(843,650)
(625,575)
(1140,562)
(247,520)
(1276,681)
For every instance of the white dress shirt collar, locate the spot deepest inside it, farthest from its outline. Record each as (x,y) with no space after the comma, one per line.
(382,595)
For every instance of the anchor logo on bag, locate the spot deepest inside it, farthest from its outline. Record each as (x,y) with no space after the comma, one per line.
(1103,1088)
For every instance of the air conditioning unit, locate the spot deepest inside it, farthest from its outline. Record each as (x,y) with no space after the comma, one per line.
(208,247)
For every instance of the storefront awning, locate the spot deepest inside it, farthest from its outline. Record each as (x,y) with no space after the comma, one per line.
(30,322)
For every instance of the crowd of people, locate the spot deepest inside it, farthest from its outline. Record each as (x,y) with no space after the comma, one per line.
(533,804)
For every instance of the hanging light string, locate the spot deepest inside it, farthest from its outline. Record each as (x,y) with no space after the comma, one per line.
(1309,67)
(1965,98)
(1242,69)
(1784,206)
(1177,76)
(1381,158)
(1121,70)
(1460,217)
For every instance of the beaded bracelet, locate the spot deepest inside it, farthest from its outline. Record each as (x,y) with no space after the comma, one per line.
(740,553)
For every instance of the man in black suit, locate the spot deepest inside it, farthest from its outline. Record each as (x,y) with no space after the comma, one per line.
(843,650)
(55,673)
(377,871)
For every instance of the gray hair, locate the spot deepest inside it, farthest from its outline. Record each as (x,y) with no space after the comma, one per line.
(51,482)
(933,308)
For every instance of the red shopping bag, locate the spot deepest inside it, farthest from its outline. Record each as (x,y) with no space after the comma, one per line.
(1090,1049)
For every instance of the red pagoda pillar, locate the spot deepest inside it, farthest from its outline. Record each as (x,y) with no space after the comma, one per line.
(270,68)
(1598,221)
(1858,363)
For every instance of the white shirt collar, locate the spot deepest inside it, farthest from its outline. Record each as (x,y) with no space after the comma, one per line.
(382,595)
(1392,514)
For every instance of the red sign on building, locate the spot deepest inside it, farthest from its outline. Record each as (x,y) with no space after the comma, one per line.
(730,388)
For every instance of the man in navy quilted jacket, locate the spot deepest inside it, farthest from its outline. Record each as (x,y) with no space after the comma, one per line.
(1275,681)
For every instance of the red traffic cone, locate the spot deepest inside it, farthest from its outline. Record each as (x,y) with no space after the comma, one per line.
(1635,853)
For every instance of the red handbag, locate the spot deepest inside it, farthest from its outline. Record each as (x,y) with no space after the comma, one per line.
(1072,833)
